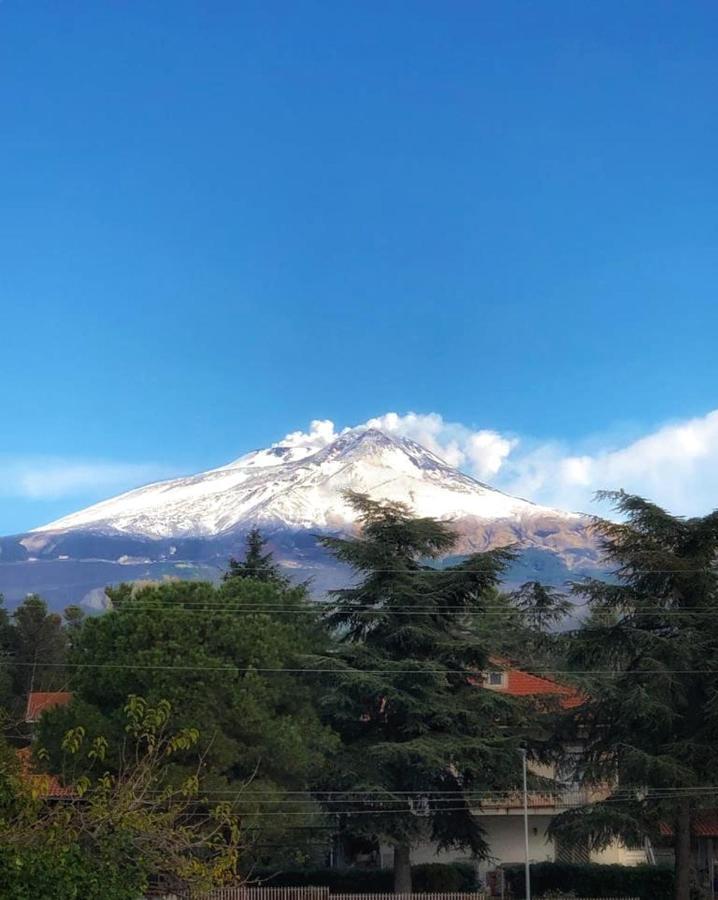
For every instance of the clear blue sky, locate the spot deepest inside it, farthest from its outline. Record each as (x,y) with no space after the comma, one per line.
(219,220)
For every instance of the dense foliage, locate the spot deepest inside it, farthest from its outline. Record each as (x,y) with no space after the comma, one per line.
(419,740)
(49,873)
(223,657)
(427,877)
(33,648)
(593,880)
(367,724)
(648,655)
(111,832)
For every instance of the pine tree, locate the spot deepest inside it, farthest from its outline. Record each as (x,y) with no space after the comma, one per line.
(8,649)
(649,651)
(525,625)
(420,736)
(256,564)
(41,647)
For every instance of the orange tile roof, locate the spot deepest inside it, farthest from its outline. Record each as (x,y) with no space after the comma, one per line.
(46,785)
(704,823)
(523,684)
(39,701)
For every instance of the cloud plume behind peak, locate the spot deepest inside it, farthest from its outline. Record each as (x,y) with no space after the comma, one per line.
(675,464)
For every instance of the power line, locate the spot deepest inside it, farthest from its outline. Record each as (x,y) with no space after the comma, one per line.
(489,796)
(413,611)
(353,671)
(408,810)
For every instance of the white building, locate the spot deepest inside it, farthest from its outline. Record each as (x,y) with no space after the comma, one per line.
(502,818)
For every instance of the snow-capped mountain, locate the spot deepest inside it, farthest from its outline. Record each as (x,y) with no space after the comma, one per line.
(188,527)
(302,488)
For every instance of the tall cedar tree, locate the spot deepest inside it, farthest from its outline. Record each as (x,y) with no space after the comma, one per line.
(256,563)
(420,737)
(649,651)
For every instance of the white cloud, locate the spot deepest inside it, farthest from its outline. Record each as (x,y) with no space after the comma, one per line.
(50,478)
(482,452)
(676,465)
(321,432)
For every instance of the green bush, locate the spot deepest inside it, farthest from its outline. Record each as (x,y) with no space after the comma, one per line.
(64,874)
(594,880)
(426,877)
(444,877)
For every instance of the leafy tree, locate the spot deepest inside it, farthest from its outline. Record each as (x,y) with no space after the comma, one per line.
(256,563)
(649,658)
(7,653)
(114,829)
(41,647)
(73,617)
(224,657)
(420,738)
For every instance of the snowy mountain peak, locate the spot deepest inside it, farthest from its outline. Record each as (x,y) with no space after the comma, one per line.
(298,486)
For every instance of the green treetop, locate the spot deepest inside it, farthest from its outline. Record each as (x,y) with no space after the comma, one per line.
(114,830)
(421,738)
(40,647)
(647,660)
(223,658)
(256,563)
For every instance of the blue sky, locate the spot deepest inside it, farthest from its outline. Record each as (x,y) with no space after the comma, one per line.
(221,220)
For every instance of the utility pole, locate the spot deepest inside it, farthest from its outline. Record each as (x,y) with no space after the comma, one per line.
(522,751)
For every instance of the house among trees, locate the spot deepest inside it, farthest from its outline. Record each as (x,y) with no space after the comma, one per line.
(501,815)
(45,785)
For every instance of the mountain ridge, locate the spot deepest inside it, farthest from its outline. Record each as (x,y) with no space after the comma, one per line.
(293,488)
(189,526)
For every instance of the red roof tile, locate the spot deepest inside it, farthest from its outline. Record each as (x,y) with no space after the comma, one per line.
(704,823)
(523,684)
(39,701)
(46,785)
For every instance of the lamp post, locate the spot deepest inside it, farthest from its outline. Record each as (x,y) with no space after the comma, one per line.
(522,751)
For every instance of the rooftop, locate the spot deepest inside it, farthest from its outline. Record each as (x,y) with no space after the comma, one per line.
(39,701)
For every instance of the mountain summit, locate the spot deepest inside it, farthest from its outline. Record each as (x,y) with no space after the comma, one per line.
(189,527)
(298,487)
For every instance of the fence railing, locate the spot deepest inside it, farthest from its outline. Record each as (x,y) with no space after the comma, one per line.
(322,893)
(423,895)
(269,893)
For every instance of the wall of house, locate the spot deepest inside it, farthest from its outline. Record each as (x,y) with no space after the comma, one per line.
(505,837)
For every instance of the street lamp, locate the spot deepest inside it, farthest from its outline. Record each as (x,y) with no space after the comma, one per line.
(522,751)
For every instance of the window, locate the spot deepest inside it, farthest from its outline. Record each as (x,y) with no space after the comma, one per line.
(496,679)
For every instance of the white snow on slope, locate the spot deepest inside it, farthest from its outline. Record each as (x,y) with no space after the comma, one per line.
(296,487)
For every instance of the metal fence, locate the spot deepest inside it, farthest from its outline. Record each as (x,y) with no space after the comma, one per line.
(429,895)
(323,893)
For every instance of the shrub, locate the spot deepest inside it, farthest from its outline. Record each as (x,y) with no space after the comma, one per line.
(64,874)
(594,880)
(444,877)
(426,877)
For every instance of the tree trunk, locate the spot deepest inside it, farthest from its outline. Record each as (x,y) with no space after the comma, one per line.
(683,851)
(402,869)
